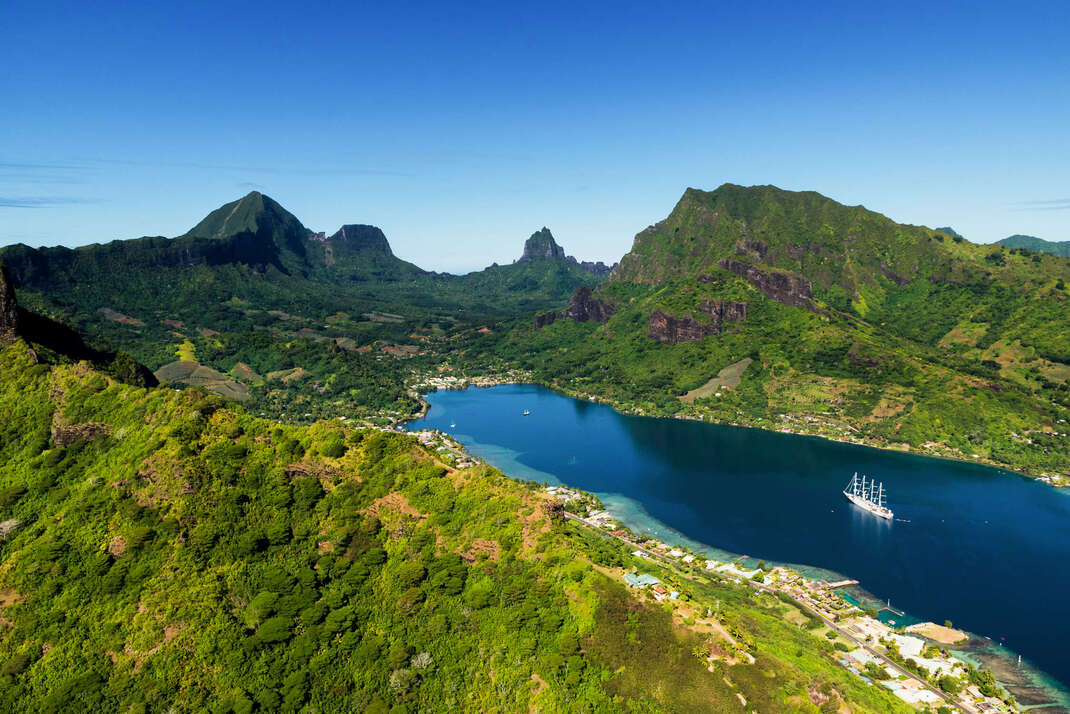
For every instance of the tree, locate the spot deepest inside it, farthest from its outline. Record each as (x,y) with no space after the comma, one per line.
(949,684)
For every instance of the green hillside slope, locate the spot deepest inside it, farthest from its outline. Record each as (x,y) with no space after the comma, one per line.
(163,551)
(857,327)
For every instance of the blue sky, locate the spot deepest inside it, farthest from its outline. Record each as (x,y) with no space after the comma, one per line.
(460,128)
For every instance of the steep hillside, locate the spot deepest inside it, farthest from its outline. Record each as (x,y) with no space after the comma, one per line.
(54,342)
(163,551)
(829,319)
(1059,248)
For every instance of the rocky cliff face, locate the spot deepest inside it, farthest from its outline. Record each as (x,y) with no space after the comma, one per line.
(361,237)
(673,330)
(583,307)
(724,311)
(541,244)
(785,288)
(9,308)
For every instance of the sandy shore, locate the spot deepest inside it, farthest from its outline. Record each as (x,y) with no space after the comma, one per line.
(938,633)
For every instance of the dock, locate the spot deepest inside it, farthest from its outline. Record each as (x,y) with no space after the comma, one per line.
(841,584)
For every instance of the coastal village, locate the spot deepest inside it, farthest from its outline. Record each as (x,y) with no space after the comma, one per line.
(913,662)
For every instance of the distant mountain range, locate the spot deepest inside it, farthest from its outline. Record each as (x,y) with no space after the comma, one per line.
(1060,248)
(1039,245)
(750,305)
(256,252)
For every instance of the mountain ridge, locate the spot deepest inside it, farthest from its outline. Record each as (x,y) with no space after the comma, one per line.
(1040,245)
(853,326)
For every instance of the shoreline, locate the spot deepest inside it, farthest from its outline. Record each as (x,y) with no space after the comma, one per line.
(629,411)
(1025,685)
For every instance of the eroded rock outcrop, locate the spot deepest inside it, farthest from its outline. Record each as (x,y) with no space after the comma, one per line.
(583,307)
(674,330)
(785,288)
(545,319)
(724,310)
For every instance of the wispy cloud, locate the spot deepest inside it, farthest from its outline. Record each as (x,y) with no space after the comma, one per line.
(250,186)
(39,201)
(294,170)
(73,170)
(1057,204)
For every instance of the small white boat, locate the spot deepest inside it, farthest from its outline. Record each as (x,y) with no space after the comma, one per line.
(526,412)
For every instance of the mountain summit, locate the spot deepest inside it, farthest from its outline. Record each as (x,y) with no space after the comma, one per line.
(261,228)
(541,244)
(252,213)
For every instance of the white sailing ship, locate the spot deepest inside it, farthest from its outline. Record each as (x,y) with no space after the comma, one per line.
(867,496)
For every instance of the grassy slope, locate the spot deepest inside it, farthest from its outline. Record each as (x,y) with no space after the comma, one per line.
(186,554)
(982,325)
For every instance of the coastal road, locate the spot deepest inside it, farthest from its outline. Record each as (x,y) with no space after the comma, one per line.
(671,565)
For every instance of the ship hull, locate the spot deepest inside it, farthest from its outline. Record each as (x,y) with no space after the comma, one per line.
(865,505)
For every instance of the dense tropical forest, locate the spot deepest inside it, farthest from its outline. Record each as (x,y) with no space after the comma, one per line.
(747,305)
(165,550)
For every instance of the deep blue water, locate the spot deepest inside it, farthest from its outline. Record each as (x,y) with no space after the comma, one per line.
(984,548)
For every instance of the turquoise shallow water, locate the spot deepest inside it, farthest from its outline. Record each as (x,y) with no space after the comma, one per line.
(983,548)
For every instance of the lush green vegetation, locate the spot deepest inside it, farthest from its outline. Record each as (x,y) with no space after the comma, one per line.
(894,335)
(249,284)
(166,550)
(914,339)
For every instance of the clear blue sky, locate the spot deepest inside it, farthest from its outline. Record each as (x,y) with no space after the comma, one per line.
(460,128)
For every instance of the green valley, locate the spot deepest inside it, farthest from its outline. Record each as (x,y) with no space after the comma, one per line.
(167,551)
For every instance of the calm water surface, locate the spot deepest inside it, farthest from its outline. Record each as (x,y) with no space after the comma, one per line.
(986,549)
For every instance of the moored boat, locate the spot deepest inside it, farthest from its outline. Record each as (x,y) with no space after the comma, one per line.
(867,496)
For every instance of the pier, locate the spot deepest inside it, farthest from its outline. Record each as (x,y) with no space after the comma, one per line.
(841,584)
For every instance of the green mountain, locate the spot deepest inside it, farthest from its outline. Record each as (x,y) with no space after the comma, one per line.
(951,232)
(541,244)
(1060,248)
(166,551)
(250,292)
(788,310)
(540,278)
